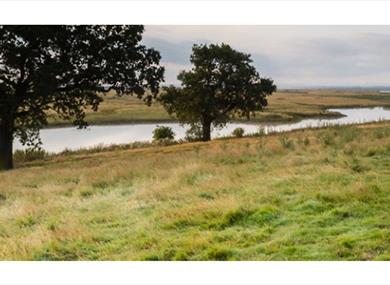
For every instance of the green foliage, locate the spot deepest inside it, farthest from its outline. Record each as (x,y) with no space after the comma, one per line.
(65,69)
(222,84)
(238,132)
(29,155)
(194,133)
(163,133)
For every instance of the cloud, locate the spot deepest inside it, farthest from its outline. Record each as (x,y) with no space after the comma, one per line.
(172,70)
(294,56)
(177,53)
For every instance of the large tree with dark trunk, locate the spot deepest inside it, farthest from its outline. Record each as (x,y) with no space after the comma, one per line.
(221,85)
(66,69)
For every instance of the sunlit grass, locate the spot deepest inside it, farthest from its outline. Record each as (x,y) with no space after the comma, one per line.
(306,195)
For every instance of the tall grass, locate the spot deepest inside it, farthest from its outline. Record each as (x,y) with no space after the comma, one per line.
(28,155)
(252,198)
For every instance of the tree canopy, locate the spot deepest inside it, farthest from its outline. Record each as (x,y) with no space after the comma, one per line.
(65,69)
(221,85)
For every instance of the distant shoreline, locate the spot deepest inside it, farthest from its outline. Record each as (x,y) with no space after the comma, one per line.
(284,106)
(326,115)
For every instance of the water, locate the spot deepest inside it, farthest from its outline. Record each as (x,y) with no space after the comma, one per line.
(59,139)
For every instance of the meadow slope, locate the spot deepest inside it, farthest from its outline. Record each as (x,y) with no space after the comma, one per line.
(307,195)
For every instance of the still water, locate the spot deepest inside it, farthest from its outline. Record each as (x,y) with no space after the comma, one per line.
(59,139)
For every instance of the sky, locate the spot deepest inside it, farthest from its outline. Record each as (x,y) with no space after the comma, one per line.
(294,56)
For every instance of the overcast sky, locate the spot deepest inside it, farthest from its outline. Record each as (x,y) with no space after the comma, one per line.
(294,56)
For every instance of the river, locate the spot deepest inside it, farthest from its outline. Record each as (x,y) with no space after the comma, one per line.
(58,139)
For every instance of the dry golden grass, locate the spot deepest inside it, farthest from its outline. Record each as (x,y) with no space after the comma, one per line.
(283,106)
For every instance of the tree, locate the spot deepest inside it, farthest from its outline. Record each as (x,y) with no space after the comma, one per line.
(161,133)
(66,69)
(221,85)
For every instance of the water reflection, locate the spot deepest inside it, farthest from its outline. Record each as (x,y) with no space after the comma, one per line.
(58,139)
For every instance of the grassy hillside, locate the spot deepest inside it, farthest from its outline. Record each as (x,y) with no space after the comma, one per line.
(283,106)
(307,195)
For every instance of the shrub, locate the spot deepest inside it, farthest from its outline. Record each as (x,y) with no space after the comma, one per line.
(29,155)
(163,133)
(238,132)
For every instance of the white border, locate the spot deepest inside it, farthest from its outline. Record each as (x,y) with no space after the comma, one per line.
(195,273)
(195,12)
(343,12)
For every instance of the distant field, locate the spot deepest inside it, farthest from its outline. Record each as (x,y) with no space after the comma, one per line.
(283,106)
(307,195)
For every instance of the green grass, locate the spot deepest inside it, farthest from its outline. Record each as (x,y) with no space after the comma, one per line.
(284,106)
(306,195)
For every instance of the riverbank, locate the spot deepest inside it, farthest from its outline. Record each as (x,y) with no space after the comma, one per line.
(285,106)
(60,139)
(305,195)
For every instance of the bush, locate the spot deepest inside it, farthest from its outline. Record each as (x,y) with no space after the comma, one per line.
(163,133)
(238,132)
(29,155)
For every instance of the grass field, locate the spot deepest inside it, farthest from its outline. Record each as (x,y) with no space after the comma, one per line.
(306,195)
(283,106)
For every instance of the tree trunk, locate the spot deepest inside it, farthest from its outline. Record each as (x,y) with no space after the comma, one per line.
(206,131)
(6,140)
